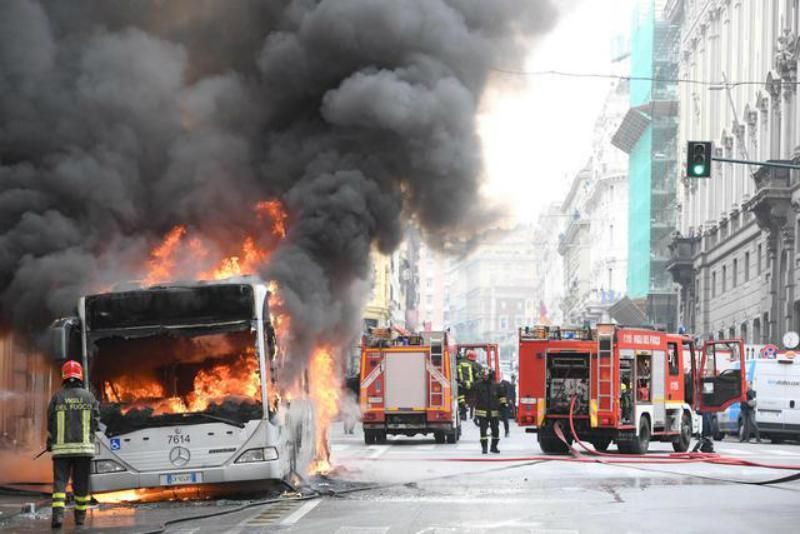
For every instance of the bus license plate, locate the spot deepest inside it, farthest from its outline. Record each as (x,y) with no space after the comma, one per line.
(181,478)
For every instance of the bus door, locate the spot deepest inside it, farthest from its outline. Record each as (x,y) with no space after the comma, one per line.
(720,383)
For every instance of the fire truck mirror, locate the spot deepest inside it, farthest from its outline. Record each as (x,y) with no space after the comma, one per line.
(65,339)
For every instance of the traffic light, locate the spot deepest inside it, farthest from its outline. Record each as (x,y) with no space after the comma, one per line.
(698,156)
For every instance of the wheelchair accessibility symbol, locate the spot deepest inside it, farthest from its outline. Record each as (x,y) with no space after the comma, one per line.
(115,444)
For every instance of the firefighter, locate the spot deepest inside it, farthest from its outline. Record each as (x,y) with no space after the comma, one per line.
(506,411)
(489,400)
(477,370)
(625,402)
(466,379)
(72,419)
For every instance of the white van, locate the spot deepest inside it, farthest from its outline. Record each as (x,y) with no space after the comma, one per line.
(777,385)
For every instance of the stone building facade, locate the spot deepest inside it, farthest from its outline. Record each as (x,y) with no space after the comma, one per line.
(735,257)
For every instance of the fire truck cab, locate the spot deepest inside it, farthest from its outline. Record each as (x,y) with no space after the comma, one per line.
(629,385)
(408,386)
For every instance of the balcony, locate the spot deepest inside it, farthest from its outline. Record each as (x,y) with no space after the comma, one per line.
(681,262)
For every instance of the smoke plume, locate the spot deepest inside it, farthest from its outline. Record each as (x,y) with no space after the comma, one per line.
(119,120)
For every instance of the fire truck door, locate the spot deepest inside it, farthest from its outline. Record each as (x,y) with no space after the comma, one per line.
(659,410)
(720,380)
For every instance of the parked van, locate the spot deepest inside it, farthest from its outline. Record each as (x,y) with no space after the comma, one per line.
(777,385)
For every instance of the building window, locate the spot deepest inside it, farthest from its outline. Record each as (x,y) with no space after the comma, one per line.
(746,266)
(713,284)
(735,273)
(759,260)
(724,279)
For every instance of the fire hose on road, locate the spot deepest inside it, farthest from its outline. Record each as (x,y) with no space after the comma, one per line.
(628,460)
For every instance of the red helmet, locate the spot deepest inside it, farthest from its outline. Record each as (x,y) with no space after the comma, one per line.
(71,369)
(471,356)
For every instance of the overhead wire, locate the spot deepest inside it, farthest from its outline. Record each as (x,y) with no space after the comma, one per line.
(566,74)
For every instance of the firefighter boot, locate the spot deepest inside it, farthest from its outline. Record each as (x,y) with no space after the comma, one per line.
(495,441)
(80,517)
(58,517)
(484,446)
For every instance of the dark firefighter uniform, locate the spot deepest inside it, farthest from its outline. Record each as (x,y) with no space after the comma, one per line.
(490,399)
(466,379)
(72,419)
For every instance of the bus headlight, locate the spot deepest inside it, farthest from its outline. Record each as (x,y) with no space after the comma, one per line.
(100,467)
(261,454)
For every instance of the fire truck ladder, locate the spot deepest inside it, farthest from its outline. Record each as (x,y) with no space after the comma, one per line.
(437,344)
(605,371)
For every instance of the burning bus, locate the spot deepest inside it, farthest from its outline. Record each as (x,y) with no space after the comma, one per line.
(186,379)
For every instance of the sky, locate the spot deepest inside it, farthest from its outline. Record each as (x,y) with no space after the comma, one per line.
(537,130)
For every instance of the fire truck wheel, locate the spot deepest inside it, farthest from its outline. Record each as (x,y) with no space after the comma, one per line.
(549,442)
(451,437)
(380,437)
(641,443)
(439,437)
(369,437)
(682,442)
(601,444)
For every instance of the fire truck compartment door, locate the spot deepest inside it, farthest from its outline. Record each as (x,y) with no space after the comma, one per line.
(659,410)
(719,382)
(406,382)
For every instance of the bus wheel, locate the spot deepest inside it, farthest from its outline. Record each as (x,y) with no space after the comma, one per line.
(641,443)
(682,442)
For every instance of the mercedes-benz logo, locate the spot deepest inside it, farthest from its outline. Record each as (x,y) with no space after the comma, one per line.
(179,456)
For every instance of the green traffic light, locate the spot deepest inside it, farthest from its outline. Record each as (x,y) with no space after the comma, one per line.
(698,169)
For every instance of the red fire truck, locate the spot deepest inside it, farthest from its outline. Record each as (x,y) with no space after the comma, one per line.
(408,386)
(630,385)
(487,355)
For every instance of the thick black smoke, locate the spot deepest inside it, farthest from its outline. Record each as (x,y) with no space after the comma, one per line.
(119,120)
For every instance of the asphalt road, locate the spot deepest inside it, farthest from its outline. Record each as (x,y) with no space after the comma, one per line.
(411,485)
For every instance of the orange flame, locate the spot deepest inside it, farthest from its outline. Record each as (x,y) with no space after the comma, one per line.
(325,388)
(163,262)
(214,384)
(162,259)
(274,210)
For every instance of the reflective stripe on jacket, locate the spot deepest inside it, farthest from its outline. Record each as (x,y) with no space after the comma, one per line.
(465,375)
(72,420)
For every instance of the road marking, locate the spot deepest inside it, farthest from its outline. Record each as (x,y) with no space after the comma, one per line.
(378,450)
(298,514)
(424,447)
(779,452)
(362,530)
(340,446)
(741,452)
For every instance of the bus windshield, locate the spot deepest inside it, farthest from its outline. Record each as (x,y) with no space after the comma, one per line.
(168,379)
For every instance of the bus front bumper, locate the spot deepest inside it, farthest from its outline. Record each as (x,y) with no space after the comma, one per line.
(268,470)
